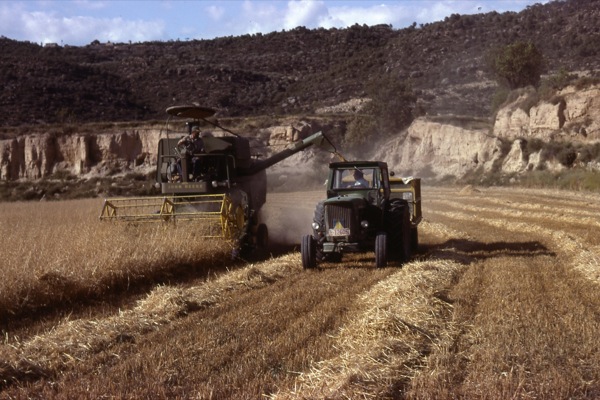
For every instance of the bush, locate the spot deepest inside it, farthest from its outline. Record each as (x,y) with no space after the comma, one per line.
(534,145)
(517,65)
(359,130)
(567,155)
(391,109)
(561,79)
(393,102)
(590,153)
(62,175)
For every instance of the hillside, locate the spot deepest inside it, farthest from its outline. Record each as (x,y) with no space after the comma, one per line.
(290,72)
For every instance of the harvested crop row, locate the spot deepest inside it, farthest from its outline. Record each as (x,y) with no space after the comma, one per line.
(527,317)
(72,342)
(393,326)
(573,219)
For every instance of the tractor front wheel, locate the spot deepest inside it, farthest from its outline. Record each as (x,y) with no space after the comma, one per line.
(308,251)
(381,250)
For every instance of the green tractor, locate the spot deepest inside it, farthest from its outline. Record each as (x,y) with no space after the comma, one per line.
(365,210)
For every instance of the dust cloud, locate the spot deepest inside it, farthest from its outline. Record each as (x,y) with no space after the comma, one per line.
(289,216)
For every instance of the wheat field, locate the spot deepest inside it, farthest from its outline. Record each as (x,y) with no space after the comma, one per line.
(500,302)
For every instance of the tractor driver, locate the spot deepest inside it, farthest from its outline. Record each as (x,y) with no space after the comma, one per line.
(193,144)
(359,179)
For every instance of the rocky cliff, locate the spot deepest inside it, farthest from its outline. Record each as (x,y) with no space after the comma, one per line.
(35,156)
(437,149)
(430,148)
(572,114)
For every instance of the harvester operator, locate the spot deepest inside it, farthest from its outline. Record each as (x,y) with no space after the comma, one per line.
(194,144)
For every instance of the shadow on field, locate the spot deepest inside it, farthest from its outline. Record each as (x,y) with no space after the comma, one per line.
(55,296)
(275,249)
(467,251)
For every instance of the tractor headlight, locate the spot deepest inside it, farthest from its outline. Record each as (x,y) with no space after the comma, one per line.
(316,226)
(364,224)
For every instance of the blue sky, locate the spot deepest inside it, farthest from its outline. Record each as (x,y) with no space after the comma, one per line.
(79,22)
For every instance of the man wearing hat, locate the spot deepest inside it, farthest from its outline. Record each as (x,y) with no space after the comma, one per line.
(194,145)
(192,142)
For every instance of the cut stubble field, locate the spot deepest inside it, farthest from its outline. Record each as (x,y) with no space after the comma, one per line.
(501,301)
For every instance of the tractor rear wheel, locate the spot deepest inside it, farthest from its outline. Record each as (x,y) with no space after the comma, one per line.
(399,230)
(406,241)
(307,249)
(381,250)
(414,239)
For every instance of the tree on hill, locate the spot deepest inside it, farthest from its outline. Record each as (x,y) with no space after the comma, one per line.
(517,65)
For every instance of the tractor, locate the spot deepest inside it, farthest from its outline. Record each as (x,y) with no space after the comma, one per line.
(221,187)
(366,209)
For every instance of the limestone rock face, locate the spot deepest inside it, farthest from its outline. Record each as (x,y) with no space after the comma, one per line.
(582,112)
(433,149)
(511,122)
(545,119)
(282,135)
(517,160)
(572,114)
(37,156)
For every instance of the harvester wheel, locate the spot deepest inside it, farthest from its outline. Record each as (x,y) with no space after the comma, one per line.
(307,249)
(381,250)
(234,223)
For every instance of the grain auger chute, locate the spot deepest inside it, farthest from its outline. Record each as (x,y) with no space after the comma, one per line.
(217,185)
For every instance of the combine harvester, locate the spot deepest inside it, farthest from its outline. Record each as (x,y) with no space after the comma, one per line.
(222,187)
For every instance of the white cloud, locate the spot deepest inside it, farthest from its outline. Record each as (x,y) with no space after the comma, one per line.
(48,28)
(260,16)
(373,15)
(91,5)
(308,13)
(437,12)
(215,12)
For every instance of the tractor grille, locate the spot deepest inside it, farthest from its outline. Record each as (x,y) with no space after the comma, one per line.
(339,221)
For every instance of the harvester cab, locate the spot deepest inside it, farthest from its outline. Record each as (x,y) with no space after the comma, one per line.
(215,182)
